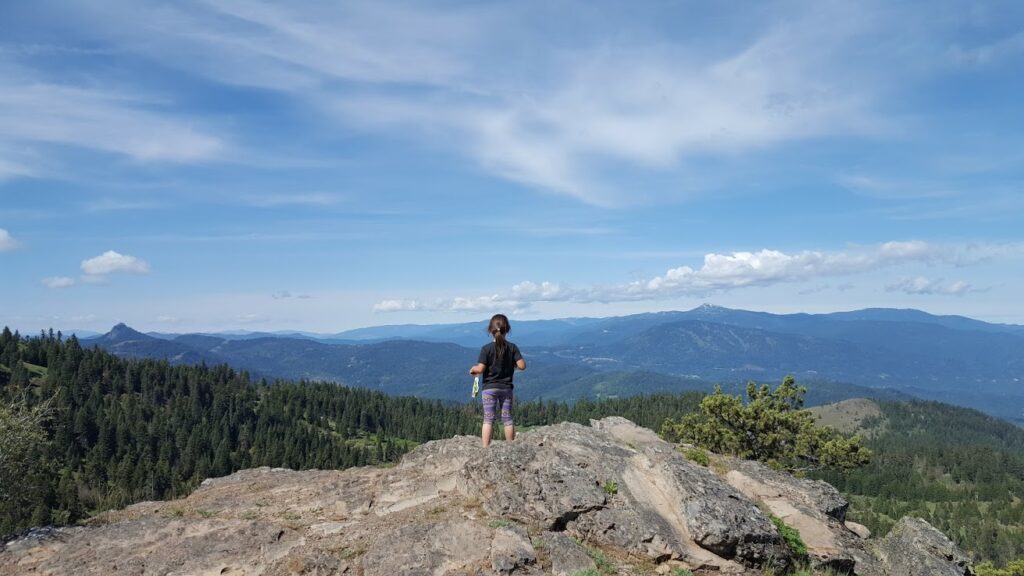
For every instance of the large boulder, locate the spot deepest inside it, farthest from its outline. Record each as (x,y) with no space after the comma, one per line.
(813,508)
(643,496)
(915,548)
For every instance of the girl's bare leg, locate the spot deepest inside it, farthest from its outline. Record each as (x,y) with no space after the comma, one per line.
(485,434)
(510,432)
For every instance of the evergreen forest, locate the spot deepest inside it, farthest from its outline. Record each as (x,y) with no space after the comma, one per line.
(120,431)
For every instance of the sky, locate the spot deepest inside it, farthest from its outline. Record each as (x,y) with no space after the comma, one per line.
(217,165)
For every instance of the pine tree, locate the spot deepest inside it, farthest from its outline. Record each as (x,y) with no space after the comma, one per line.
(770,426)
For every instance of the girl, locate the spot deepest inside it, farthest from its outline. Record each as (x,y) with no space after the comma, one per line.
(498,362)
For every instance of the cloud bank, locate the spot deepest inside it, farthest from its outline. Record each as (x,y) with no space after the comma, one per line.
(725,272)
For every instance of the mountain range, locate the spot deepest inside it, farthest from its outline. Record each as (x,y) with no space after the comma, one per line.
(892,352)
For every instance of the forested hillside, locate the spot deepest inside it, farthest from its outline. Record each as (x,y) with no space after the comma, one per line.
(958,469)
(121,431)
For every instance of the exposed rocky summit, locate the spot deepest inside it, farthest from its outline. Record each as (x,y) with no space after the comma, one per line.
(563,499)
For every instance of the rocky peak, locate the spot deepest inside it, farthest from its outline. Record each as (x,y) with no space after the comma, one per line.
(710,309)
(559,500)
(122,332)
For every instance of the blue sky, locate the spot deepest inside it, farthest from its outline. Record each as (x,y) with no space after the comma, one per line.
(217,165)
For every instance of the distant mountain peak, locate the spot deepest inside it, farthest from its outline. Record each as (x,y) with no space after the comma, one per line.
(122,331)
(710,308)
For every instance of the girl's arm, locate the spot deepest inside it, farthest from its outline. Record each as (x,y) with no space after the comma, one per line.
(478,369)
(521,364)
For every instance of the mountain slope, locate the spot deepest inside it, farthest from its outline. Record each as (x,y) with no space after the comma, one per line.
(947,358)
(958,469)
(129,343)
(586,331)
(438,370)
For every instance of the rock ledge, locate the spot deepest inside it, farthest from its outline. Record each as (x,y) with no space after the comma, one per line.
(559,500)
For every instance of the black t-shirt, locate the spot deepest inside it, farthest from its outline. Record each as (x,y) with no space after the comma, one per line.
(498,375)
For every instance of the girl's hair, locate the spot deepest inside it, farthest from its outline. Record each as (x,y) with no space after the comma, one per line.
(499,327)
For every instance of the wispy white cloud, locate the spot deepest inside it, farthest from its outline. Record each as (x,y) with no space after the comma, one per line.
(315,199)
(726,272)
(111,262)
(10,168)
(923,286)
(35,110)
(814,289)
(888,189)
(974,204)
(458,304)
(638,109)
(7,242)
(989,53)
(119,204)
(647,107)
(59,282)
(285,295)
(397,305)
(612,95)
(252,318)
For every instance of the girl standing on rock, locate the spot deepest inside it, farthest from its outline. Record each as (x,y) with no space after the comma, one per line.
(497,363)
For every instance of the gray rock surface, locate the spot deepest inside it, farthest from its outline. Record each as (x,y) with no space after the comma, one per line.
(812,507)
(814,495)
(566,556)
(512,552)
(533,506)
(643,496)
(427,548)
(859,529)
(915,548)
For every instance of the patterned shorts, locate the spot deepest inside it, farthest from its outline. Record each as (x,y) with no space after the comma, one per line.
(496,401)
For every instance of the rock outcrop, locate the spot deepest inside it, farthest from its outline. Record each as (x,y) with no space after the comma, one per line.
(563,499)
(915,548)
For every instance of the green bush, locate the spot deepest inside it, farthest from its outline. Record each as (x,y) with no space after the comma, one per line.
(1014,568)
(790,536)
(24,467)
(604,565)
(696,454)
(771,426)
